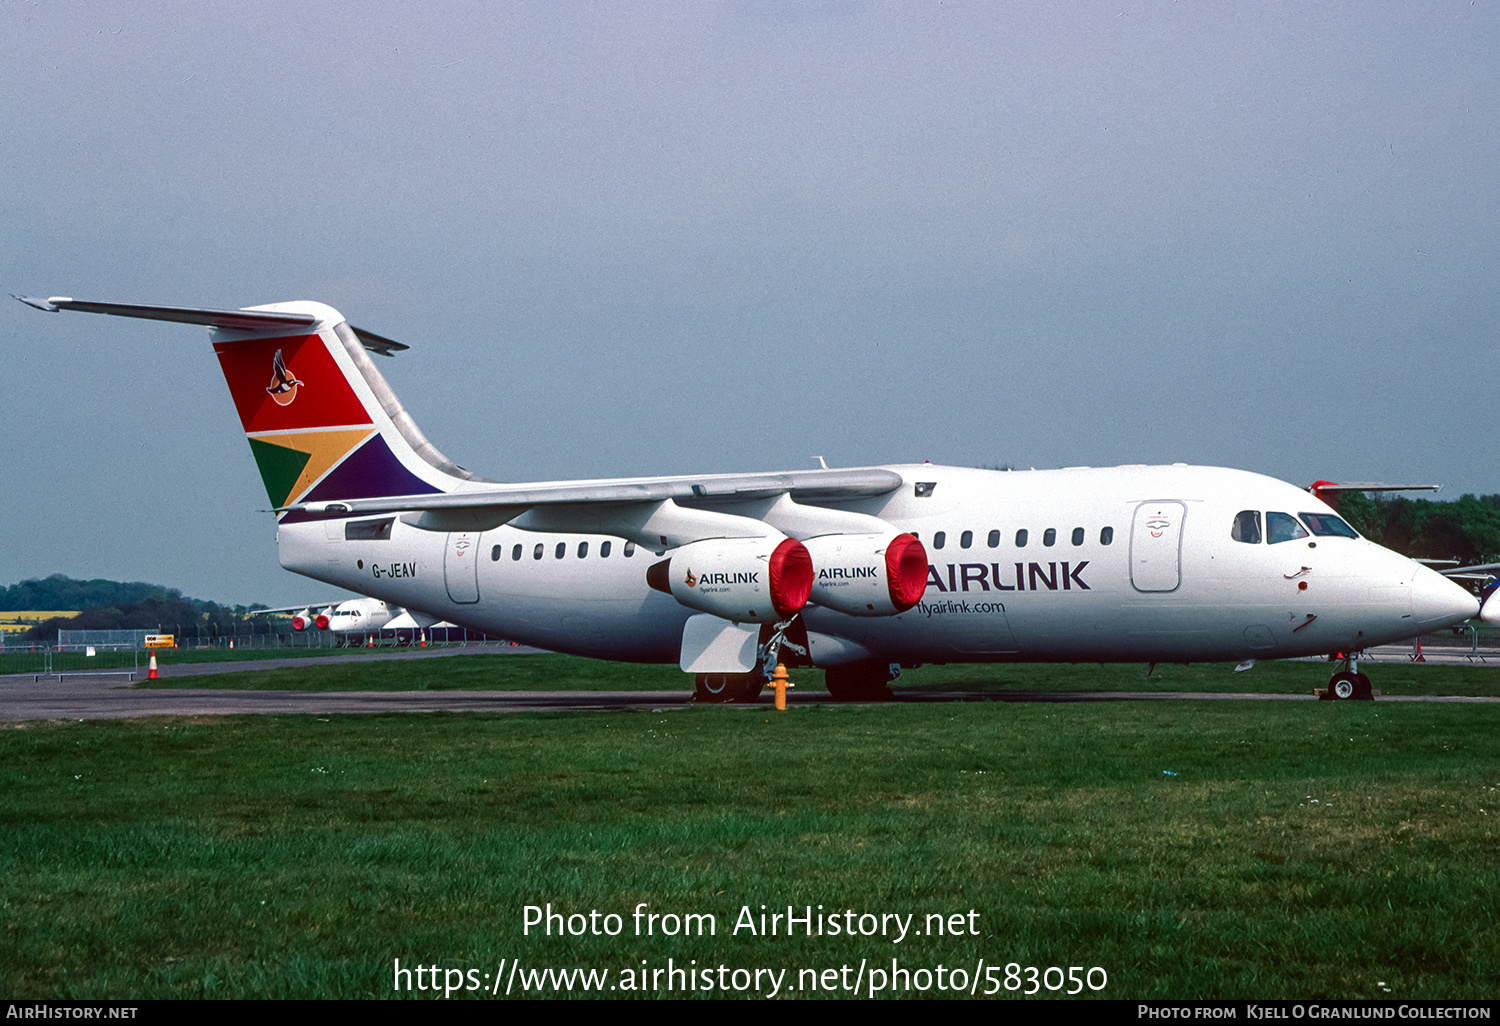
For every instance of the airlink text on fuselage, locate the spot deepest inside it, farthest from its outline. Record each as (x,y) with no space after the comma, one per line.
(962,575)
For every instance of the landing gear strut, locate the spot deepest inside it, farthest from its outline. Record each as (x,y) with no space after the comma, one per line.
(717,688)
(1348,683)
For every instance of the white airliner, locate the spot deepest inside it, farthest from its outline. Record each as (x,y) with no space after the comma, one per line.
(859,571)
(356,616)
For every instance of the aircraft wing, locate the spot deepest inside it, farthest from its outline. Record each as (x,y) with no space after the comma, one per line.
(801,485)
(1482,570)
(1318,487)
(651,511)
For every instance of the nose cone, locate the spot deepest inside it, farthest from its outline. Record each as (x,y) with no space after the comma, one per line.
(1438,602)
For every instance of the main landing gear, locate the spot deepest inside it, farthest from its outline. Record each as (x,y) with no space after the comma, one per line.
(1347,683)
(718,688)
(728,687)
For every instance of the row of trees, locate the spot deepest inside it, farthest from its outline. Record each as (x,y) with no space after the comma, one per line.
(1467,530)
(61,592)
(115,605)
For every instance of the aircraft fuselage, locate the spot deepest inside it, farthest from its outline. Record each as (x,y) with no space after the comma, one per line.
(1116,564)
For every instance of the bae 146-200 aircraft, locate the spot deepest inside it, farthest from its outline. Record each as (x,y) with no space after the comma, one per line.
(358,616)
(857,571)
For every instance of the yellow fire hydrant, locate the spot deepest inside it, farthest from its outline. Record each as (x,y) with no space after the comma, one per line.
(780,683)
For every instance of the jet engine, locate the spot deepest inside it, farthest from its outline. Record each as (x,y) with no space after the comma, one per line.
(746,580)
(301,620)
(868,574)
(1489,606)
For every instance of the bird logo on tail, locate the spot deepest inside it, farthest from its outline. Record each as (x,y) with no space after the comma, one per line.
(283,387)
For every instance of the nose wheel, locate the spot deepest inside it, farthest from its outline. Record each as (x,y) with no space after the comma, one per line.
(1348,683)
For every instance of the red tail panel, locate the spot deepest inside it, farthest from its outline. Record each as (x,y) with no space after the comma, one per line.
(286,384)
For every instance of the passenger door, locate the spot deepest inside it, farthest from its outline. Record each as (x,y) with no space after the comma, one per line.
(1156,546)
(461,566)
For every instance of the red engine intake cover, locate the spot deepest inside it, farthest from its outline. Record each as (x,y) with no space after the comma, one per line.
(791,576)
(906,570)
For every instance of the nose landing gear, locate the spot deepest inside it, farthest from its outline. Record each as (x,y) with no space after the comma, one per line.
(1347,683)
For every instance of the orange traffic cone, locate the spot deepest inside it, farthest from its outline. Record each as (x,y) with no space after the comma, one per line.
(369,641)
(424,639)
(151,673)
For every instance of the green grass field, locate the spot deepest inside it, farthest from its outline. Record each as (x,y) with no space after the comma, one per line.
(1211,849)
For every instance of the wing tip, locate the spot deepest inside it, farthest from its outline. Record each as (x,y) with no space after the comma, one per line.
(48,305)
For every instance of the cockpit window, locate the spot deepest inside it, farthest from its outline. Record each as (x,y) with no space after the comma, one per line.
(1282,527)
(1326,524)
(1246,527)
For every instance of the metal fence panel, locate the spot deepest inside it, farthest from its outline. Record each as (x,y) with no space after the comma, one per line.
(67,641)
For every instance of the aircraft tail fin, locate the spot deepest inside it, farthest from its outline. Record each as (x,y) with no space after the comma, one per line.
(322,423)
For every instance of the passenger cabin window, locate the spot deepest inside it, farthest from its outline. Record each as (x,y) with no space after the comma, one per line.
(562,547)
(629,549)
(538,553)
(1282,527)
(1246,527)
(940,539)
(966,539)
(1049,537)
(1021,538)
(1326,524)
(583,549)
(1106,535)
(1077,536)
(515,553)
(495,553)
(994,539)
(604,550)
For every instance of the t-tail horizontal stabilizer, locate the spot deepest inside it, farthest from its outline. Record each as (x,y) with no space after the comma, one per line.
(234,320)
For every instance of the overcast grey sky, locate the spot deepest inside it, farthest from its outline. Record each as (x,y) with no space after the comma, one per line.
(651,239)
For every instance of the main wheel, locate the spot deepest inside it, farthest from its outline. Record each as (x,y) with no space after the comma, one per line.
(1346,685)
(1362,688)
(859,682)
(727,687)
